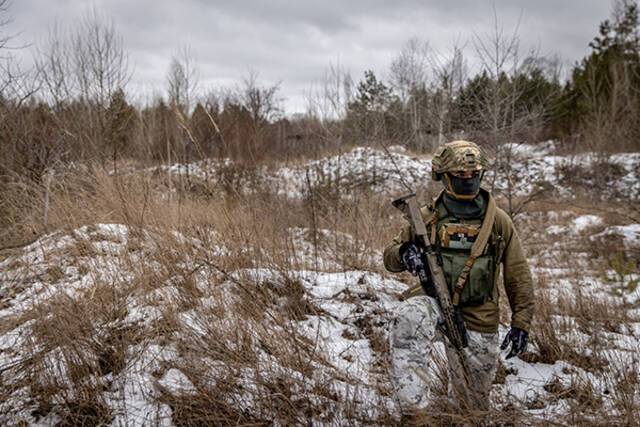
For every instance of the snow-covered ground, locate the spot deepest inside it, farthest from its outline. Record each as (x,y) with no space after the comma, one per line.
(347,309)
(344,328)
(141,328)
(363,168)
(394,171)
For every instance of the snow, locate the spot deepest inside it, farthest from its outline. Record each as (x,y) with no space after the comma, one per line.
(577,226)
(630,234)
(350,356)
(346,298)
(585,221)
(363,167)
(134,399)
(556,229)
(529,150)
(178,382)
(320,250)
(394,171)
(530,377)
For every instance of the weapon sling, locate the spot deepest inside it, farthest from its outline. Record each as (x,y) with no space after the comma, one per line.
(476,250)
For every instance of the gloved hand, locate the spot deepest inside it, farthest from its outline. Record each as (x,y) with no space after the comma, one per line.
(411,257)
(413,261)
(518,339)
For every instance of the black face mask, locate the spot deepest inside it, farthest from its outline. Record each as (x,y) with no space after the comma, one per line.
(465,187)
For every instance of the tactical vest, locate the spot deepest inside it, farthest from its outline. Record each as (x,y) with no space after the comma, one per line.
(454,238)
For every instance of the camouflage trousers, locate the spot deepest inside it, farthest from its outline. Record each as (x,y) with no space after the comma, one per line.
(416,345)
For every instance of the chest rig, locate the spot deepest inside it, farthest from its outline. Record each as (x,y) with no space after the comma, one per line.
(468,248)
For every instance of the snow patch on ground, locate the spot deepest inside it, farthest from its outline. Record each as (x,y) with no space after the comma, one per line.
(630,234)
(362,167)
(175,380)
(583,222)
(534,168)
(323,250)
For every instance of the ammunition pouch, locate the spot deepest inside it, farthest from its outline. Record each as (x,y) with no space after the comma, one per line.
(479,286)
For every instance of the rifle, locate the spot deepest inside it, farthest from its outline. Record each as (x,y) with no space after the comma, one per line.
(451,320)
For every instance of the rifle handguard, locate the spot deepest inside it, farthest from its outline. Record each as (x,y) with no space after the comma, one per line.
(454,323)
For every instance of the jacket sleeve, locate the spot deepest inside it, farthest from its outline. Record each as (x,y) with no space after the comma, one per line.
(392,260)
(518,283)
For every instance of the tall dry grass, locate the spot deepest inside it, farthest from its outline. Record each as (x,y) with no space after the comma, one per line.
(234,338)
(81,340)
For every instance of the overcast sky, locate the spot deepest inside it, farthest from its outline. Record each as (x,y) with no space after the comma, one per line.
(295,41)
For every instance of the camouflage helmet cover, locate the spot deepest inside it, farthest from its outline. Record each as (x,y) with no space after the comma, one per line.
(457,156)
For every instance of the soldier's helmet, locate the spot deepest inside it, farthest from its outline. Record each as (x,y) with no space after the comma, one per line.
(457,156)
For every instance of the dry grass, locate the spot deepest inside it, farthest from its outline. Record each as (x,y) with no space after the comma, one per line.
(233,335)
(79,340)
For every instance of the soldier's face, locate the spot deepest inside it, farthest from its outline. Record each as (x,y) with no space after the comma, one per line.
(465,174)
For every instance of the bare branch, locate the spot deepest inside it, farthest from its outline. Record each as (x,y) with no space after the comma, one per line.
(100,61)
(261,101)
(183,79)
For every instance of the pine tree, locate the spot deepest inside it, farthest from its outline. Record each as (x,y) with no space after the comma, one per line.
(122,121)
(371,96)
(603,94)
(203,130)
(367,113)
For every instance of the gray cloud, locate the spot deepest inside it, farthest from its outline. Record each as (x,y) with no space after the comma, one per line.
(293,41)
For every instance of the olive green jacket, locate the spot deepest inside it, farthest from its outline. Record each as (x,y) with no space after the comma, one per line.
(515,270)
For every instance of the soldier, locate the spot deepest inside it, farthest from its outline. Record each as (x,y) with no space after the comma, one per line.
(454,221)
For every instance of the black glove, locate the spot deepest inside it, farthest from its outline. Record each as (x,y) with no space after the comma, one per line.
(411,257)
(413,261)
(518,339)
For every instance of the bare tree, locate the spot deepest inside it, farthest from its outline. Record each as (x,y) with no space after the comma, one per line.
(409,77)
(500,117)
(88,64)
(499,57)
(54,62)
(328,99)
(426,83)
(182,86)
(183,79)
(100,61)
(449,76)
(5,37)
(326,107)
(410,69)
(262,104)
(16,83)
(261,101)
